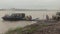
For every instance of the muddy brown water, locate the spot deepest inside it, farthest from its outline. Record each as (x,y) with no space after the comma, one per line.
(5,25)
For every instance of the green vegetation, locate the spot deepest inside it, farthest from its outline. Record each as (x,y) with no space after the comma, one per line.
(26,30)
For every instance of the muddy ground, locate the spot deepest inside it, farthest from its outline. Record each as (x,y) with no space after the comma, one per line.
(51,29)
(41,27)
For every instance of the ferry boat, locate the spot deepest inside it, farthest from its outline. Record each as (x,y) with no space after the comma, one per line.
(16,16)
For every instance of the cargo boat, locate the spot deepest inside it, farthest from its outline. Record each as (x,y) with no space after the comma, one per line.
(16,17)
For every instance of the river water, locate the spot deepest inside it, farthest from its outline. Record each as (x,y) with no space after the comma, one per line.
(5,25)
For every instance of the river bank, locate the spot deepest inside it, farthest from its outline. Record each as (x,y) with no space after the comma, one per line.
(41,27)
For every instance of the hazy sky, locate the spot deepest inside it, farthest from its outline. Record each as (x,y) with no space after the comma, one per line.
(48,4)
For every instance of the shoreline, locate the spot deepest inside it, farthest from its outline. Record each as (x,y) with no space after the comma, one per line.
(32,28)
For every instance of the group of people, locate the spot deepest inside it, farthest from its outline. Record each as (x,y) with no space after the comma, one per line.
(28,17)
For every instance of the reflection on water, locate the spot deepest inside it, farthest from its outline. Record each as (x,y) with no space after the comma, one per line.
(5,25)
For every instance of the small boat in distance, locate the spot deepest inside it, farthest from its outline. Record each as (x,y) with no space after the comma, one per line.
(16,17)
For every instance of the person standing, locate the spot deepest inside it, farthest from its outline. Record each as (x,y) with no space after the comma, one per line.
(47,17)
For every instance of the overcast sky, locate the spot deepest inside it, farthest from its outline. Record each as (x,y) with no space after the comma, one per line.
(35,4)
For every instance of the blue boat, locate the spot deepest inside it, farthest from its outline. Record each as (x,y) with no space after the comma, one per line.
(16,16)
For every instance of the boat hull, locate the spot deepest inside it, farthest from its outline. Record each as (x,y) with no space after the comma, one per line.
(12,19)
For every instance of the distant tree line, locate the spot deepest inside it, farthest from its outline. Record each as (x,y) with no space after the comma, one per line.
(13,9)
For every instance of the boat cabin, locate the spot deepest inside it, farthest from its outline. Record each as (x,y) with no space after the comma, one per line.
(22,15)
